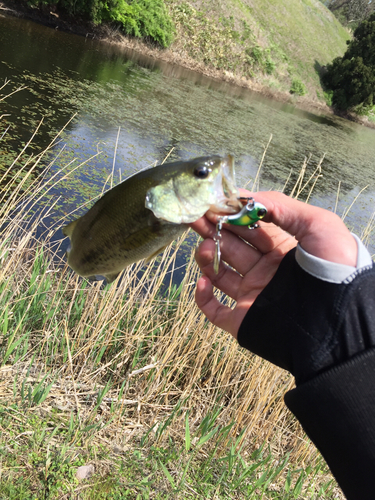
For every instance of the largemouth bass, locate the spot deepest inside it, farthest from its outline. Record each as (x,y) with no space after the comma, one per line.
(138,218)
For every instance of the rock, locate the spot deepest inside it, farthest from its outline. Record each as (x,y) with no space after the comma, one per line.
(85,471)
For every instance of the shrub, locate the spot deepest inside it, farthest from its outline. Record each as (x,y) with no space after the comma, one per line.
(143,18)
(328,97)
(257,56)
(269,66)
(140,18)
(298,87)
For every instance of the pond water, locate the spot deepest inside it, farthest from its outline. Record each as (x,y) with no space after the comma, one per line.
(133,110)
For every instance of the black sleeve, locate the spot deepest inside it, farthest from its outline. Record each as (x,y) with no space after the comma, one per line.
(324,334)
(337,411)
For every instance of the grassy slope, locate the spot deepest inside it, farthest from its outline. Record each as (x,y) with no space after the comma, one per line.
(263,44)
(297,36)
(134,382)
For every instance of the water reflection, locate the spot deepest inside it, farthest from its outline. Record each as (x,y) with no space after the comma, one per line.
(161,107)
(321,119)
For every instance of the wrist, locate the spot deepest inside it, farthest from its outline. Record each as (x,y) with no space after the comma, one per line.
(306,324)
(331,271)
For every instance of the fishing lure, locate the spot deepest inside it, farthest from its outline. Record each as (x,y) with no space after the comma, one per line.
(249,215)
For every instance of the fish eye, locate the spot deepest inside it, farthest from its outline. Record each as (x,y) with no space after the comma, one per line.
(202,172)
(262,212)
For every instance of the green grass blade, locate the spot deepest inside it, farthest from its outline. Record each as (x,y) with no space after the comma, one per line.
(187,433)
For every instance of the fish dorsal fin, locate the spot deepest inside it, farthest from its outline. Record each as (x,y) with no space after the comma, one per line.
(68,230)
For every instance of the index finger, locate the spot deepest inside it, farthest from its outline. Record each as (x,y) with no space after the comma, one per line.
(265,239)
(320,232)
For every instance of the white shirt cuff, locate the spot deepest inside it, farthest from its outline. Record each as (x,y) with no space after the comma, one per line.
(331,271)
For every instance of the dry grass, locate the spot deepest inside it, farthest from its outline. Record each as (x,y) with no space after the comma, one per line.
(107,364)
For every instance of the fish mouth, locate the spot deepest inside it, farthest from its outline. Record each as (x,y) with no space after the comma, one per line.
(228,196)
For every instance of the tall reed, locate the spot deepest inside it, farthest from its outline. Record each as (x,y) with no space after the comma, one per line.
(121,358)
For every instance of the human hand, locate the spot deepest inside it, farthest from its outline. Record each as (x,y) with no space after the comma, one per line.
(254,256)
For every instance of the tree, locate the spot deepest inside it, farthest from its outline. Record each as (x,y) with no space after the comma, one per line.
(352,77)
(351,11)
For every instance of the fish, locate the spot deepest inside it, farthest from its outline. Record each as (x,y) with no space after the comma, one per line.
(140,217)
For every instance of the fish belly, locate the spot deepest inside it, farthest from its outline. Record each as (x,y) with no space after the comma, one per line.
(110,256)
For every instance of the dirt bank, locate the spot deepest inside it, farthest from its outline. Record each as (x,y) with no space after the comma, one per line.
(107,34)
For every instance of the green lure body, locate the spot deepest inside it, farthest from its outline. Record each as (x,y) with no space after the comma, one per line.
(249,215)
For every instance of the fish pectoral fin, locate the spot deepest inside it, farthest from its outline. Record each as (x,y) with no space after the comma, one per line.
(68,230)
(153,255)
(101,277)
(110,277)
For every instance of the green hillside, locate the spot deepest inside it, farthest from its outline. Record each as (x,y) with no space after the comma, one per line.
(270,41)
(276,44)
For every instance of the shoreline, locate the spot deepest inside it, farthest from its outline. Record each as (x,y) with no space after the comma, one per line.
(106,34)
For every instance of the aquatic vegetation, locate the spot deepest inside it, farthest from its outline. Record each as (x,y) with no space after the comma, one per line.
(132,379)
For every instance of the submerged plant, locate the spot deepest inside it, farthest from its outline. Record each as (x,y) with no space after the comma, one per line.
(132,366)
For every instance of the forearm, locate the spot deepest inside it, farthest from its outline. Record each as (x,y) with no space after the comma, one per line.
(337,412)
(325,316)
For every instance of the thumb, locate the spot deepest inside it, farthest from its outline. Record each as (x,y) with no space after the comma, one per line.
(319,232)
